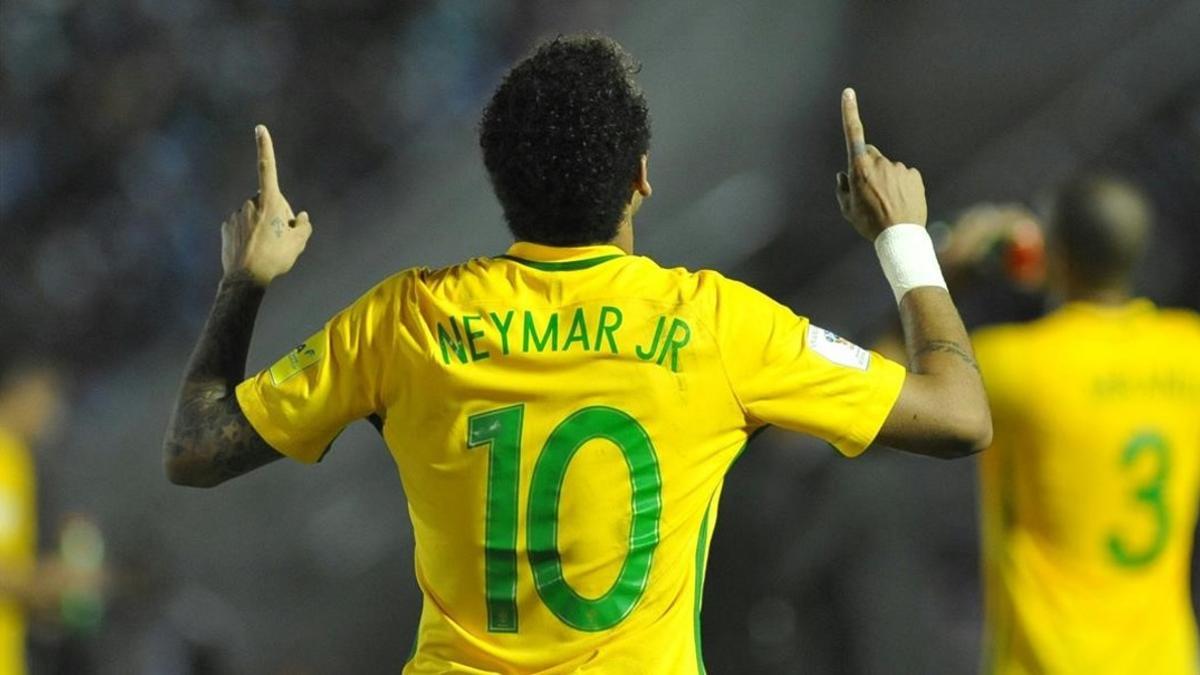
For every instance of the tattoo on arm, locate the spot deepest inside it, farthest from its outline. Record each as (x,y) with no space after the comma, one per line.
(947,347)
(209,439)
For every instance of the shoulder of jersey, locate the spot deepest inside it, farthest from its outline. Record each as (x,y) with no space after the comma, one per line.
(693,285)
(397,280)
(434,277)
(700,277)
(1001,331)
(1186,321)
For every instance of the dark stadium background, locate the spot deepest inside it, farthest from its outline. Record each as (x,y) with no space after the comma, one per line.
(126,137)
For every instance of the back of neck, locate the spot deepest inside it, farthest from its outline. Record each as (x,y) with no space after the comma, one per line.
(1114,295)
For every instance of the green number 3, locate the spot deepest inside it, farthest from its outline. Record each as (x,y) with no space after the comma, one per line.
(1151,494)
(500,429)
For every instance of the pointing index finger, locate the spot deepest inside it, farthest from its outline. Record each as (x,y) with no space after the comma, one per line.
(856,142)
(268,179)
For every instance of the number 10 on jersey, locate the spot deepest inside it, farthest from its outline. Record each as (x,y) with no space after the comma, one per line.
(501,430)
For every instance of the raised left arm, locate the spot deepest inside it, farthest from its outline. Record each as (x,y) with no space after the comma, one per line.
(209,440)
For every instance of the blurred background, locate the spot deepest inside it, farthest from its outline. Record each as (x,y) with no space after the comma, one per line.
(126,137)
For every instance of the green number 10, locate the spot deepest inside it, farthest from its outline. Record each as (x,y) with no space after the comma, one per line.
(500,429)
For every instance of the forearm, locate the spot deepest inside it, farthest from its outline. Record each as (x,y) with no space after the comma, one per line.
(209,440)
(220,353)
(31,587)
(936,340)
(17,586)
(946,398)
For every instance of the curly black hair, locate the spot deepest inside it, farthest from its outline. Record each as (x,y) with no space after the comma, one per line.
(562,140)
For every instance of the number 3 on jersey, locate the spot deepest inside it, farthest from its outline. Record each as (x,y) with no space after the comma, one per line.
(500,429)
(1150,495)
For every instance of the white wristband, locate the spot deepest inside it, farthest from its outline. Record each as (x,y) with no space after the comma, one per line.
(908,260)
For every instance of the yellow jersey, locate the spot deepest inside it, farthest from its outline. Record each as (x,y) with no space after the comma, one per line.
(562,420)
(18,535)
(1089,491)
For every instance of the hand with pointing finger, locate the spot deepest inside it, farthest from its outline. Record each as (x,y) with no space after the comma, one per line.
(875,192)
(264,238)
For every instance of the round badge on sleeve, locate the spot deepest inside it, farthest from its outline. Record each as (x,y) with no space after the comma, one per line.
(837,349)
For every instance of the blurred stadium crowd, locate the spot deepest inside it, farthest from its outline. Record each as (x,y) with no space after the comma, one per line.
(121,120)
(125,138)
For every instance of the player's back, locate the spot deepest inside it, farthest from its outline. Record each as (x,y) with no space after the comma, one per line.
(1090,490)
(575,425)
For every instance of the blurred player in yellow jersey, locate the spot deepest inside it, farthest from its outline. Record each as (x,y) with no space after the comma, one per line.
(1090,489)
(562,416)
(29,403)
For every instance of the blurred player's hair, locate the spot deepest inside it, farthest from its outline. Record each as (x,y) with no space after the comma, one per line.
(21,354)
(1098,226)
(11,355)
(562,140)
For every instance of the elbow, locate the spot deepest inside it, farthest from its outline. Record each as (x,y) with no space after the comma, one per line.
(984,439)
(190,477)
(972,434)
(187,472)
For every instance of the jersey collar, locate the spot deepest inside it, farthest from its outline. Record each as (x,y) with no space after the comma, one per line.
(560,258)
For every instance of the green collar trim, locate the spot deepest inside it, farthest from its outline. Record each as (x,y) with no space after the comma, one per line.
(564,266)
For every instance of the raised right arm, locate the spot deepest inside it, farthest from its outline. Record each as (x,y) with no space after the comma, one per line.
(942,410)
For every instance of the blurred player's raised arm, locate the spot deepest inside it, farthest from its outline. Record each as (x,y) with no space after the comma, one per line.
(209,439)
(942,409)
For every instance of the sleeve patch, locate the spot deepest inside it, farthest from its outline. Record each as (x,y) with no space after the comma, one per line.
(837,349)
(304,355)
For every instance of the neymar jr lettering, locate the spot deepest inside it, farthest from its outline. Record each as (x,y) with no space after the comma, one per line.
(463,338)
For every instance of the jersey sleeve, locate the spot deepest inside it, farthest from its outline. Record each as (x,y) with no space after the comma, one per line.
(342,373)
(787,372)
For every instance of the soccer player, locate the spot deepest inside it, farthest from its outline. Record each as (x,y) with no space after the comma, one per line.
(29,401)
(562,415)
(1089,491)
